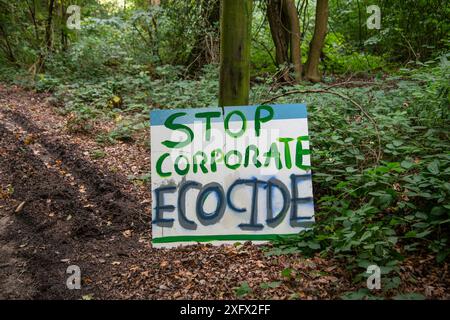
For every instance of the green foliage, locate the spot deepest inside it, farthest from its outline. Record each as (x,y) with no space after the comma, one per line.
(270,285)
(124,98)
(262,50)
(361,294)
(141,179)
(98,154)
(340,58)
(243,290)
(410,29)
(287,273)
(409,296)
(371,212)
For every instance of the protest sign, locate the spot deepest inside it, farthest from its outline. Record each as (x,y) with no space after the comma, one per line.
(232,176)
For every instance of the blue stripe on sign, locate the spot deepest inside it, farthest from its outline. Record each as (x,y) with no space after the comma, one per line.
(281,111)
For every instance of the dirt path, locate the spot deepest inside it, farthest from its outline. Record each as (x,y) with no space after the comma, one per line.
(75,210)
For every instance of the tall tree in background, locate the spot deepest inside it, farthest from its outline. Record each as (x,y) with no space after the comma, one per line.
(205,49)
(278,31)
(62,22)
(285,30)
(312,72)
(294,38)
(235,41)
(48,27)
(31,5)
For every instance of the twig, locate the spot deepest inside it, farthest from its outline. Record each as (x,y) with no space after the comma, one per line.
(343,96)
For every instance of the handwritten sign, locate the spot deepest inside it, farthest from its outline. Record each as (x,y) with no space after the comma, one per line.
(230,177)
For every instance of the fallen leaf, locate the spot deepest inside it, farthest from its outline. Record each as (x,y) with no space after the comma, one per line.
(259,264)
(19,207)
(164,264)
(127,233)
(29,139)
(87,280)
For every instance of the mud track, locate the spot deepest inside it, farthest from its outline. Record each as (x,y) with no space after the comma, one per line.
(52,225)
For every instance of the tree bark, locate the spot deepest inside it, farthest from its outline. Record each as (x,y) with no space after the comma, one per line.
(32,10)
(294,38)
(278,31)
(235,41)
(285,30)
(203,50)
(317,42)
(48,27)
(63,17)
(8,50)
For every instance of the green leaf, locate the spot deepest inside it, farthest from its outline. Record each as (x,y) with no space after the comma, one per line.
(270,285)
(357,295)
(313,245)
(287,273)
(442,255)
(409,296)
(410,234)
(423,234)
(366,235)
(243,289)
(406,164)
(433,167)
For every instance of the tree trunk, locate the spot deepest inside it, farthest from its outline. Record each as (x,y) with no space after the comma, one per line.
(8,50)
(317,42)
(63,17)
(285,30)
(32,10)
(48,27)
(235,41)
(294,38)
(205,49)
(278,31)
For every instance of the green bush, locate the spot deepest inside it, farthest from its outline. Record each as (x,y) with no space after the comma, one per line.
(376,212)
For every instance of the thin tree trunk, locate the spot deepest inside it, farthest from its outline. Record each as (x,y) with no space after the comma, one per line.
(294,38)
(317,42)
(359,26)
(278,32)
(235,41)
(8,49)
(63,32)
(285,30)
(201,54)
(48,27)
(48,39)
(32,9)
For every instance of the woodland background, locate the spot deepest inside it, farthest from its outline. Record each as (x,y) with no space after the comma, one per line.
(378,104)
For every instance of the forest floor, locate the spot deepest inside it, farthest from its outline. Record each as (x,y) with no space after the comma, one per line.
(61,206)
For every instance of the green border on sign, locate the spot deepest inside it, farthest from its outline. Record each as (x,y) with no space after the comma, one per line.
(222,237)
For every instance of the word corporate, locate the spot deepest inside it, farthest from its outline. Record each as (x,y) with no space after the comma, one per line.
(210,168)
